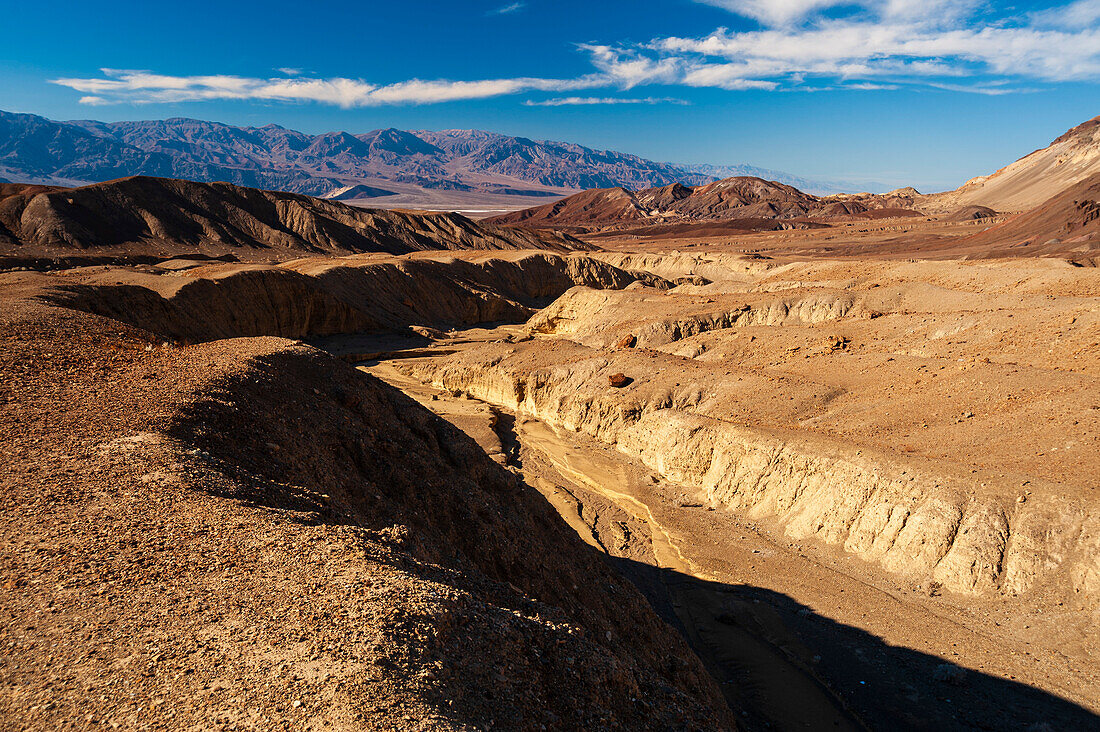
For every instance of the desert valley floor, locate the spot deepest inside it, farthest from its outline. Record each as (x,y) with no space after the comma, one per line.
(796,480)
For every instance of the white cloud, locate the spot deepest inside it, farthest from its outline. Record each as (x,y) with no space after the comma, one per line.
(568,101)
(505,9)
(774,12)
(863,45)
(847,50)
(145,87)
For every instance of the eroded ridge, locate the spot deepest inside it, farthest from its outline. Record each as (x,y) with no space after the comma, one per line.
(781,411)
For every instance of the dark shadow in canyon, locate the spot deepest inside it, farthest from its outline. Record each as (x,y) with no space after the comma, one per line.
(748,637)
(886,687)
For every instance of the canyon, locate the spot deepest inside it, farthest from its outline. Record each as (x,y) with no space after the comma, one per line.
(825,474)
(700,455)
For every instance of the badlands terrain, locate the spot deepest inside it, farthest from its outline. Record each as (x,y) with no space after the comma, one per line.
(275,462)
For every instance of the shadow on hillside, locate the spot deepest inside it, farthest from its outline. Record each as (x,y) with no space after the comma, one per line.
(885,687)
(760,645)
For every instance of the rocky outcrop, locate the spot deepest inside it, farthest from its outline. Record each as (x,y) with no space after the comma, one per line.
(582,314)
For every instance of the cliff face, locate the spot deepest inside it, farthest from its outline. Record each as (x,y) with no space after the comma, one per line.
(822,400)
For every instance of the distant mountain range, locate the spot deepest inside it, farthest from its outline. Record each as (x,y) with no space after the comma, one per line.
(383,167)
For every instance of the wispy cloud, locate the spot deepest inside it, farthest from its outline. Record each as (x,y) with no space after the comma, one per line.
(1080,14)
(799,45)
(569,101)
(869,86)
(505,9)
(862,42)
(143,87)
(790,12)
(774,12)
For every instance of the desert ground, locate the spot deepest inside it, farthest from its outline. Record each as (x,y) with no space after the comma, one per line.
(796,480)
(707,457)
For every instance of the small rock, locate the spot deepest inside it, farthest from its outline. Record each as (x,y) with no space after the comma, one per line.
(627,341)
(949,673)
(1021,499)
(620,380)
(296,703)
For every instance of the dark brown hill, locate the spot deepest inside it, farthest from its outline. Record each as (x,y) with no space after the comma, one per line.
(971,213)
(591,209)
(740,198)
(165,217)
(745,197)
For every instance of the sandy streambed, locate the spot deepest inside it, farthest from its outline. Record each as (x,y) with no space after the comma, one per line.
(795,630)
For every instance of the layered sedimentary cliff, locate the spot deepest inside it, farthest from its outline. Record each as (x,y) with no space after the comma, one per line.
(778,403)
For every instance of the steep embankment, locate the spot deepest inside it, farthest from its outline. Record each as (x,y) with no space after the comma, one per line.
(321,297)
(841,418)
(163,216)
(249,533)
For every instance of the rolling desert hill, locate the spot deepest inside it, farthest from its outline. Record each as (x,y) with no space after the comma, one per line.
(142,215)
(743,203)
(1068,221)
(1034,178)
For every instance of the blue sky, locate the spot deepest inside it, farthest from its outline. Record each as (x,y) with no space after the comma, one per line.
(927,92)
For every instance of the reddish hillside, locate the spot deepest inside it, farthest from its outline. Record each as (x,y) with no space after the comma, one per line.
(745,203)
(165,217)
(1068,223)
(740,198)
